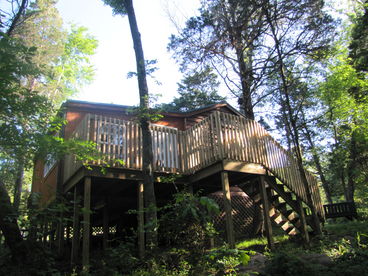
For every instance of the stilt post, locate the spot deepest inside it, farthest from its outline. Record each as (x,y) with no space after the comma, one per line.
(266,212)
(105,226)
(141,238)
(76,228)
(303,222)
(86,223)
(228,209)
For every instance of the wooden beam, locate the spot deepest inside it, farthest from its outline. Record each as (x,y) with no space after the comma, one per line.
(244,167)
(206,172)
(105,226)
(76,228)
(303,221)
(86,223)
(141,238)
(266,210)
(228,209)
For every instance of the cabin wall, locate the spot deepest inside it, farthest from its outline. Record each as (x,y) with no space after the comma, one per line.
(44,186)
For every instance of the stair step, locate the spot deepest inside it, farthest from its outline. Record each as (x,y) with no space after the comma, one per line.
(281,207)
(293,231)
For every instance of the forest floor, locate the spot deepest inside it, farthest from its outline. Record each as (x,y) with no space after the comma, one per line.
(341,251)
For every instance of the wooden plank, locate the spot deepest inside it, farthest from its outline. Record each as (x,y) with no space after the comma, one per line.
(136,146)
(140,149)
(213,145)
(228,209)
(129,144)
(266,209)
(221,149)
(119,138)
(141,237)
(86,223)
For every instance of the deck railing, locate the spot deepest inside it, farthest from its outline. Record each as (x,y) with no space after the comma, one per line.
(220,136)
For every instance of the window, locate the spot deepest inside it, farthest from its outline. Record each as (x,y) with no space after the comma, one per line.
(50,162)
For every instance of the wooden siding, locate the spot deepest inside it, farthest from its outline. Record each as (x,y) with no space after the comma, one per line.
(220,136)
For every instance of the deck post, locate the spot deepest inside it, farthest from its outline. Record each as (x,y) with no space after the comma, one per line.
(76,228)
(141,238)
(105,226)
(303,221)
(86,223)
(266,210)
(228,209)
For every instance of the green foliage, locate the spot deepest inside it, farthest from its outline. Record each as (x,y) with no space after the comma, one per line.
(227,260)
(119,260)
(284,264)
(196,90)
(118,7)
(188,221)
(358,48)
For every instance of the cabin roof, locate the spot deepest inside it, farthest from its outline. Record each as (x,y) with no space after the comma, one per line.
(76,104)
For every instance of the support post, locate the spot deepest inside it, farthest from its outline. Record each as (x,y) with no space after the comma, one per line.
(266,211)
(86,223)
(141,238)
(303,221)
(76,228)
(105,227)
(228,209)
(60,235)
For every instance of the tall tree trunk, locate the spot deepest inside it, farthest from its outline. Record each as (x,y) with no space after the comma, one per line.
(18,186)
(246,81)
(10,228)
(148,177)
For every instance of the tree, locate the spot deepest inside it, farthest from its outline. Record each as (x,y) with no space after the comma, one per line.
(125,7)
(26,112)
(349,114)
(225,36)
(358,48)
(196,90)
(62,61)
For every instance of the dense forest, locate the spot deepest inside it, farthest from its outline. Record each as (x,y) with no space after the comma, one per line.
(299,68)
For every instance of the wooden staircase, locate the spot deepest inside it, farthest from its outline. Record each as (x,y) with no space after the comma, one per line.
(284,208)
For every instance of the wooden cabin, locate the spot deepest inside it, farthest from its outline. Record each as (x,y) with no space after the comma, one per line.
(214,149)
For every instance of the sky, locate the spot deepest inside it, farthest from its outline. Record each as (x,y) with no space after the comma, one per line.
(115,57)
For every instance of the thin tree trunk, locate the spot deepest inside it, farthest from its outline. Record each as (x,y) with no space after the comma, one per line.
(148,177)
(10,228)
(293,126)
(17,17)
(341,168)
(351,169)
(317,162)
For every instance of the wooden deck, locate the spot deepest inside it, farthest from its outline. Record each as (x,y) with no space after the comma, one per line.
(219,137)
